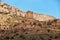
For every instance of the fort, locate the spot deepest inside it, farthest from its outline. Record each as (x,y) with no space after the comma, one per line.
(29,14)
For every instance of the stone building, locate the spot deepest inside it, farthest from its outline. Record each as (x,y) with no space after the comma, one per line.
(29,14)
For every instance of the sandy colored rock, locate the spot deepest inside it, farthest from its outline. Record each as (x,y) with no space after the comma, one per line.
(15,11)
(18,25)
(29,15)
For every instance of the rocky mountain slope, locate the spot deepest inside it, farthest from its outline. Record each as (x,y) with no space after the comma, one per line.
(15,11)
(18,25)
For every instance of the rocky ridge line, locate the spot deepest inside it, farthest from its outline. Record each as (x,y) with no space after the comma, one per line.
(15,11)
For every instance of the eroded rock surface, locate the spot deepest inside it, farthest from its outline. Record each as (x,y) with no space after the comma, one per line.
(18,25)
(15,11)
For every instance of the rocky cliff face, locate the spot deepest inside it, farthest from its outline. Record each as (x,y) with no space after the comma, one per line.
(18,25)
(10,10)
(15,11)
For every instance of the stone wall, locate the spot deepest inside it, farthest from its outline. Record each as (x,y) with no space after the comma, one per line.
(29,14)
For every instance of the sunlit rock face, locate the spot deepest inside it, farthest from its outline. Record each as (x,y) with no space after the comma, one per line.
(15,11)
(7,9)
(42,17)
(39,17)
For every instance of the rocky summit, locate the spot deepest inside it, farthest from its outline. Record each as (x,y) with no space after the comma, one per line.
(18,25)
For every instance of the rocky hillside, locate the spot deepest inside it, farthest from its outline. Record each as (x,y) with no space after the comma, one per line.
(15,11)
(18,25)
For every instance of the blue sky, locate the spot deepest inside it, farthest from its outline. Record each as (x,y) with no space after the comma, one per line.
(49,7)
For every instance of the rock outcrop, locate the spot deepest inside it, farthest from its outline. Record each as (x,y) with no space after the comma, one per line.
(18,25)
(15,11)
